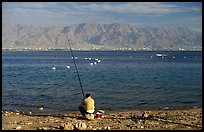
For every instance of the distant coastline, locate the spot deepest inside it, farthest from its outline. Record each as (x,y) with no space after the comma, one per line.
(89,50)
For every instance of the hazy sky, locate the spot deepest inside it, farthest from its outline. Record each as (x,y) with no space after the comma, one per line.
(141,14)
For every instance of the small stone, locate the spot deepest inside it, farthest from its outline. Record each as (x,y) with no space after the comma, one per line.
(68,126)
(45,128)
(89,127)
(29,123)
(18,127)
(83,125)
(142,127)
(61,127)
(30,112)
(80,126)
(17,113)
(166,108)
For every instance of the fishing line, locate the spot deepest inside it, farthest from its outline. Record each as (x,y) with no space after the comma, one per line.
(75,67)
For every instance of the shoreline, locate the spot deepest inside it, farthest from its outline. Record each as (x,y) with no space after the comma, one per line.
(109,110)
(154,119)
(99,50)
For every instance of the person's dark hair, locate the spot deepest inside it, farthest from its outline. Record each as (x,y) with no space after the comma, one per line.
(87,95)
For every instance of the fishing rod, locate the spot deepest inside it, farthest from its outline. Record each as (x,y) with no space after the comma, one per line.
(75,67)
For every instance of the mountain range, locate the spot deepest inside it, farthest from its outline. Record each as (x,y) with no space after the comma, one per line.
(84,36)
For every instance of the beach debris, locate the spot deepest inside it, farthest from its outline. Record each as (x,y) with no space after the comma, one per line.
(98,115)
(18,128)
(43,128)
(145,114)
(30,112)
(17,113)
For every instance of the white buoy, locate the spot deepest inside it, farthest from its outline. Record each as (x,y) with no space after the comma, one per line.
(41,108)
(68,67)
(184,56)
(86,58)
(90,58)
(95,62)
(53,68)
(174,57)
(91,63)
(99,60)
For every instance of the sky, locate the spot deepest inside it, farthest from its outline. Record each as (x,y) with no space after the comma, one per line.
(139,14)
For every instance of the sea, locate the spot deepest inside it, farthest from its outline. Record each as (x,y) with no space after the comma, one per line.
(117,80)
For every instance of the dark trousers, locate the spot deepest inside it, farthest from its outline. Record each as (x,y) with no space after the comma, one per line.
(83,111)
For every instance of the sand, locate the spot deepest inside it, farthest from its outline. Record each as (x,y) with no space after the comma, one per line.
(163,119)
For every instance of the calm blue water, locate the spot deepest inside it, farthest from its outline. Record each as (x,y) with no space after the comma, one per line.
(122,80)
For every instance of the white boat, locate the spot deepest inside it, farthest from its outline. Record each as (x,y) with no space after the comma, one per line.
(160,55)
(68,67)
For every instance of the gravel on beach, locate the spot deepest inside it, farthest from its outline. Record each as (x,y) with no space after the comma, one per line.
(162,119)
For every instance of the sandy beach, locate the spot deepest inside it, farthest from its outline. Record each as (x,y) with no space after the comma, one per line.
(162,119)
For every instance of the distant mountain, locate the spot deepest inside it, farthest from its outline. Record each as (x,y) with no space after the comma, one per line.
(116,36)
